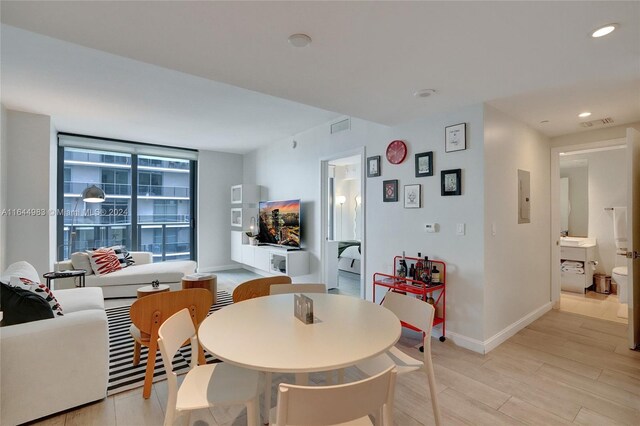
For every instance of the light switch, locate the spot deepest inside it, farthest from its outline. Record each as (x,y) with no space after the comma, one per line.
(460,229)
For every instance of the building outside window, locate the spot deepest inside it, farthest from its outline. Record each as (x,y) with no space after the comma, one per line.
(162,199)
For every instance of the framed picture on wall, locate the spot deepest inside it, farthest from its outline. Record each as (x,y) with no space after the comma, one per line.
(451,182)
(373,166)
(455,137)
(424,164)
(412,196)
(390,191)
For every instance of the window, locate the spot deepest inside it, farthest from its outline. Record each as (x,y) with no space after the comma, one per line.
(148,206)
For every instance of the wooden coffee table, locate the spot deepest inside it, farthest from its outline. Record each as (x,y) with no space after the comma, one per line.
(149,290)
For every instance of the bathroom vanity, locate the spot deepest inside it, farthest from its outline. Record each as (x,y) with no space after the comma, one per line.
(581,250)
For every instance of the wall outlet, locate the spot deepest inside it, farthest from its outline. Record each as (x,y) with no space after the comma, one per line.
(460,229)
(430,227)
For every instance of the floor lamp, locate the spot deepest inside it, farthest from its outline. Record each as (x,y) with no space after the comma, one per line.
(91,194)
(341,199)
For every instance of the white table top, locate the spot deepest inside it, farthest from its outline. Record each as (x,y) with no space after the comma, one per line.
(263,334)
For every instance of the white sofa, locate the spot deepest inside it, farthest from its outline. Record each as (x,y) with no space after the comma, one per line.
(55,364)
(125,282)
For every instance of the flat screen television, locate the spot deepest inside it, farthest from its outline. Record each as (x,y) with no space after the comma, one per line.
(279,223)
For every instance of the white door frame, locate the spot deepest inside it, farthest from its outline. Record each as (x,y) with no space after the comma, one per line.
(324,204)
(555,207)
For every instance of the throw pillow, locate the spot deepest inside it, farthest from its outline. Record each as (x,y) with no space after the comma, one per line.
(104,261)
(39,289)
(20,269)
(80,260)
(19,306)
(124,257)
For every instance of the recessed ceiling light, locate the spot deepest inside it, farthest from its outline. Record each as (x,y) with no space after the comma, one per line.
(584,114)
(424,93)
(603,31)
(299,40)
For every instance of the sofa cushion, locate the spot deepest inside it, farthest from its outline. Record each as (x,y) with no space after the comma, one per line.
(104,261)
(81,260)
(165,272)
(19,306)
(40,290)
(123,255)
(80,299)
(20,269)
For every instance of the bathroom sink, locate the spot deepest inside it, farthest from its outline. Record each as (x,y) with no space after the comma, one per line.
(576,241)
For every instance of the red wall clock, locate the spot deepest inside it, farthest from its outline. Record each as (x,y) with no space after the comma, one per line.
(396,152)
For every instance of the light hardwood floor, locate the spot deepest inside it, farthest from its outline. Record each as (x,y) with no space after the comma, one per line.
(592,304)
(563,368)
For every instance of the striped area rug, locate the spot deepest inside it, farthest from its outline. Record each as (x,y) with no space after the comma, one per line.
(123,375)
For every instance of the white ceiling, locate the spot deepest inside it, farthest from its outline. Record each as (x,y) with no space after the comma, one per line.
(534,60)
(90,92)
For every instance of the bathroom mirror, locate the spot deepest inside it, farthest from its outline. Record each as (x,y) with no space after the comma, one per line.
(574,196)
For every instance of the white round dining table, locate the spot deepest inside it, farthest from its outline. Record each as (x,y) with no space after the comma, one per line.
(263,334)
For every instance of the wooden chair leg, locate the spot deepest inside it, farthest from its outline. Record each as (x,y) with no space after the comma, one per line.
(201,358)
(151,364)
(432,383)
(137,347)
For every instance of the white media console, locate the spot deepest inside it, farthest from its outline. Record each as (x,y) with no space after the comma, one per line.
(271,259)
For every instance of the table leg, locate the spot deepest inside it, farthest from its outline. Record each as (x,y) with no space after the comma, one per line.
(302,379)
(49,283)
(267,397)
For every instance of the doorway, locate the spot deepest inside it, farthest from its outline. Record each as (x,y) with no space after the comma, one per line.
(591,192)
(343,223)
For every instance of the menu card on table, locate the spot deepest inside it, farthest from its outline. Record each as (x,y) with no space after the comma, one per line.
(303,308)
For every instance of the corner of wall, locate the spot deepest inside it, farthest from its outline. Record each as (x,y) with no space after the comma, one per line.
(3,187)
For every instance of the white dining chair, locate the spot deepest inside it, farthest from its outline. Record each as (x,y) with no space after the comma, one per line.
(298,288)
(346,404)
(420,315)
(204,385)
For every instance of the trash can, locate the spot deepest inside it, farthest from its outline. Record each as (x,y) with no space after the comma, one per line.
(602,283)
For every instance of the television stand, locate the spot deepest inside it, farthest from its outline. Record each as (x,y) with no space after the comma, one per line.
(276,260)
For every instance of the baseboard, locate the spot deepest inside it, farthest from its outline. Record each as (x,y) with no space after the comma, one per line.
(493,342)
(503,335)
(219,268)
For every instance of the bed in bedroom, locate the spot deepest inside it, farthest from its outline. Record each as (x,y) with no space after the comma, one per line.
(349,255)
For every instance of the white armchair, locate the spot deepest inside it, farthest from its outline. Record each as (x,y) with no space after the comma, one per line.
(55,364)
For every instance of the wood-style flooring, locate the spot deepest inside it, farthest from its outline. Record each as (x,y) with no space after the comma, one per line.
(562,369)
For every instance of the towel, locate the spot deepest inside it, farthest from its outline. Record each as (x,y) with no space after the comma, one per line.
(620,227)
(579,271)
(572,264)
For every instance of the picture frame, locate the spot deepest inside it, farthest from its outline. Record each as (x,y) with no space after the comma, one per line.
(455,137)
(424,164)
(412,196)
(451,182)
(390,191)
(373,166)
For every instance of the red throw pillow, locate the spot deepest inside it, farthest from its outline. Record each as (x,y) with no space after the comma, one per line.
(104,261)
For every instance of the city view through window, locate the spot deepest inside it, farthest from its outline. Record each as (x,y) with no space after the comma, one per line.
(153,215)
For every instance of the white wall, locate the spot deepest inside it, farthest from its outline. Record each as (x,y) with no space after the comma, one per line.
(390,229)
(517,257)
(578,199)
(30,177)
(3,187)
(607,188)
(217,172)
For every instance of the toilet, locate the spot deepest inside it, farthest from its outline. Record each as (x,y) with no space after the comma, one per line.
(619,275)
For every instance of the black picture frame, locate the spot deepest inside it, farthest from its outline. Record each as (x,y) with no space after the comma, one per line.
(373,166)
(390,191)
(422,169)
(455,137)
(451,182)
